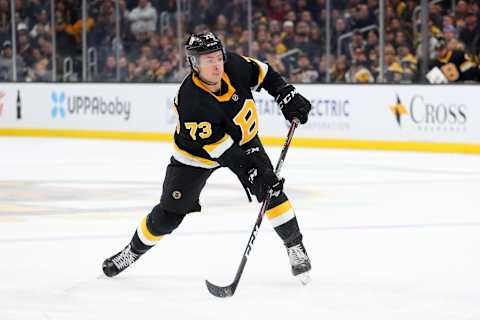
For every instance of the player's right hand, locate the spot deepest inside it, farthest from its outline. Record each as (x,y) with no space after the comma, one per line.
(293,104)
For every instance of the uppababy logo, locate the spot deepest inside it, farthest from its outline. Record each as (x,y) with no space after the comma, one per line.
(74,105)
(58,104)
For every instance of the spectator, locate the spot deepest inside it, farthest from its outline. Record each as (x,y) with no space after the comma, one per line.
(372,41)
(236,11)
(274,60)
(274,26)
(470,35)
(109,71)
(448,22)
(6,66)
(291,16)
(23,44)
(22,12)
(305,72)
(401,39)
(75,29)
(41,72)
(204,14)
(235,37)
(395,25)
(394,70)
(461,10)
(42,26)
(303,40)
(288,34)
(340,69)
(275,10)
(132,72)
(306,16)
(143,19)
(339,29)
(450,33)
(66,45)
(6,61)
(359,72)
(356,42)
(277,45)
(4,21)
(362,17)
(155,70)
(408,63)
(373,61)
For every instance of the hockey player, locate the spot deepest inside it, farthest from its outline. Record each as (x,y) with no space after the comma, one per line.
(217,127)
(456,65)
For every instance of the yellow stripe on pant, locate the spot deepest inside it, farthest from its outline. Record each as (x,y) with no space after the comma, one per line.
(145,235)
(280,214)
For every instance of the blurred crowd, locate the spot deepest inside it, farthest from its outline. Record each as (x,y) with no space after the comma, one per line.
(288,34)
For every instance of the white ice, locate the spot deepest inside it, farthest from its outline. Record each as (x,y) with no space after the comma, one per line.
(391,235)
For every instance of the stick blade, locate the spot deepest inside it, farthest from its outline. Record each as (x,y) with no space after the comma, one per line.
(220,292)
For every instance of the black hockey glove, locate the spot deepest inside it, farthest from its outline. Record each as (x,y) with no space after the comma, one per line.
(260,183)
(260,177)
(254,171)
(293,104)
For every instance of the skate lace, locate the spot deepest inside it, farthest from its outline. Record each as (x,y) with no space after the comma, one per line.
(125,258)
(297,255)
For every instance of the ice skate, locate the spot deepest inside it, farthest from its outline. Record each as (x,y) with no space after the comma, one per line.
(119,262)
(300,262)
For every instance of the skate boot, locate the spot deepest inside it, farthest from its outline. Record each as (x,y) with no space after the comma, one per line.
(300,262)
(119,262)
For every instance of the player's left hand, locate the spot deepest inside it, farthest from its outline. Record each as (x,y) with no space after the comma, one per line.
(293,104)
(264,181)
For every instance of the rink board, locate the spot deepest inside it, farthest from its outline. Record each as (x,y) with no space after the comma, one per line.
(387,117)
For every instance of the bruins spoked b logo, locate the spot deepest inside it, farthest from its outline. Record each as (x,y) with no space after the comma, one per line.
(177,195)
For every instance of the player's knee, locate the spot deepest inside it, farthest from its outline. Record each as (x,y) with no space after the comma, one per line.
(161,222)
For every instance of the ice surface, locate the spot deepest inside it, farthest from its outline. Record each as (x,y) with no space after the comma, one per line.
(391,236)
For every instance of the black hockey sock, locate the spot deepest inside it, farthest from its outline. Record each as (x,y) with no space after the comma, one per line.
(289,232)
(138,246)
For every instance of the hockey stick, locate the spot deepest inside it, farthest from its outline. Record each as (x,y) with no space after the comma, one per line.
(228,291)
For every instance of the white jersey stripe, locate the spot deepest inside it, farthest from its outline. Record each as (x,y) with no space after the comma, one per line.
(281,219)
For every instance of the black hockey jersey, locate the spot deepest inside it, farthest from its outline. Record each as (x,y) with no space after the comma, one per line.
(457,66)
(208,124)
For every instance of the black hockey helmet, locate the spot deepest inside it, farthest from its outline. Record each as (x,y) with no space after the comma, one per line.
(202,43)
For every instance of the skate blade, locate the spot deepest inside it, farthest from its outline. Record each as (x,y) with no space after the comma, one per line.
(304,278)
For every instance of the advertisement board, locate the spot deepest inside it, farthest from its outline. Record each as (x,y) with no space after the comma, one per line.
(384,112)
(397,117)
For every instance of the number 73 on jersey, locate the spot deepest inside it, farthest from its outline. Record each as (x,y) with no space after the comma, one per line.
(246,119)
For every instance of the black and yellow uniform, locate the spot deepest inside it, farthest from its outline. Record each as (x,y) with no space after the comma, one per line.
(220,129)
(457,66)
(208,125)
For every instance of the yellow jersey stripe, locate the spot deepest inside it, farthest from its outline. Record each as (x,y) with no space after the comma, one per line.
(148,235)
(279,210)
(262,70)
(224,97)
